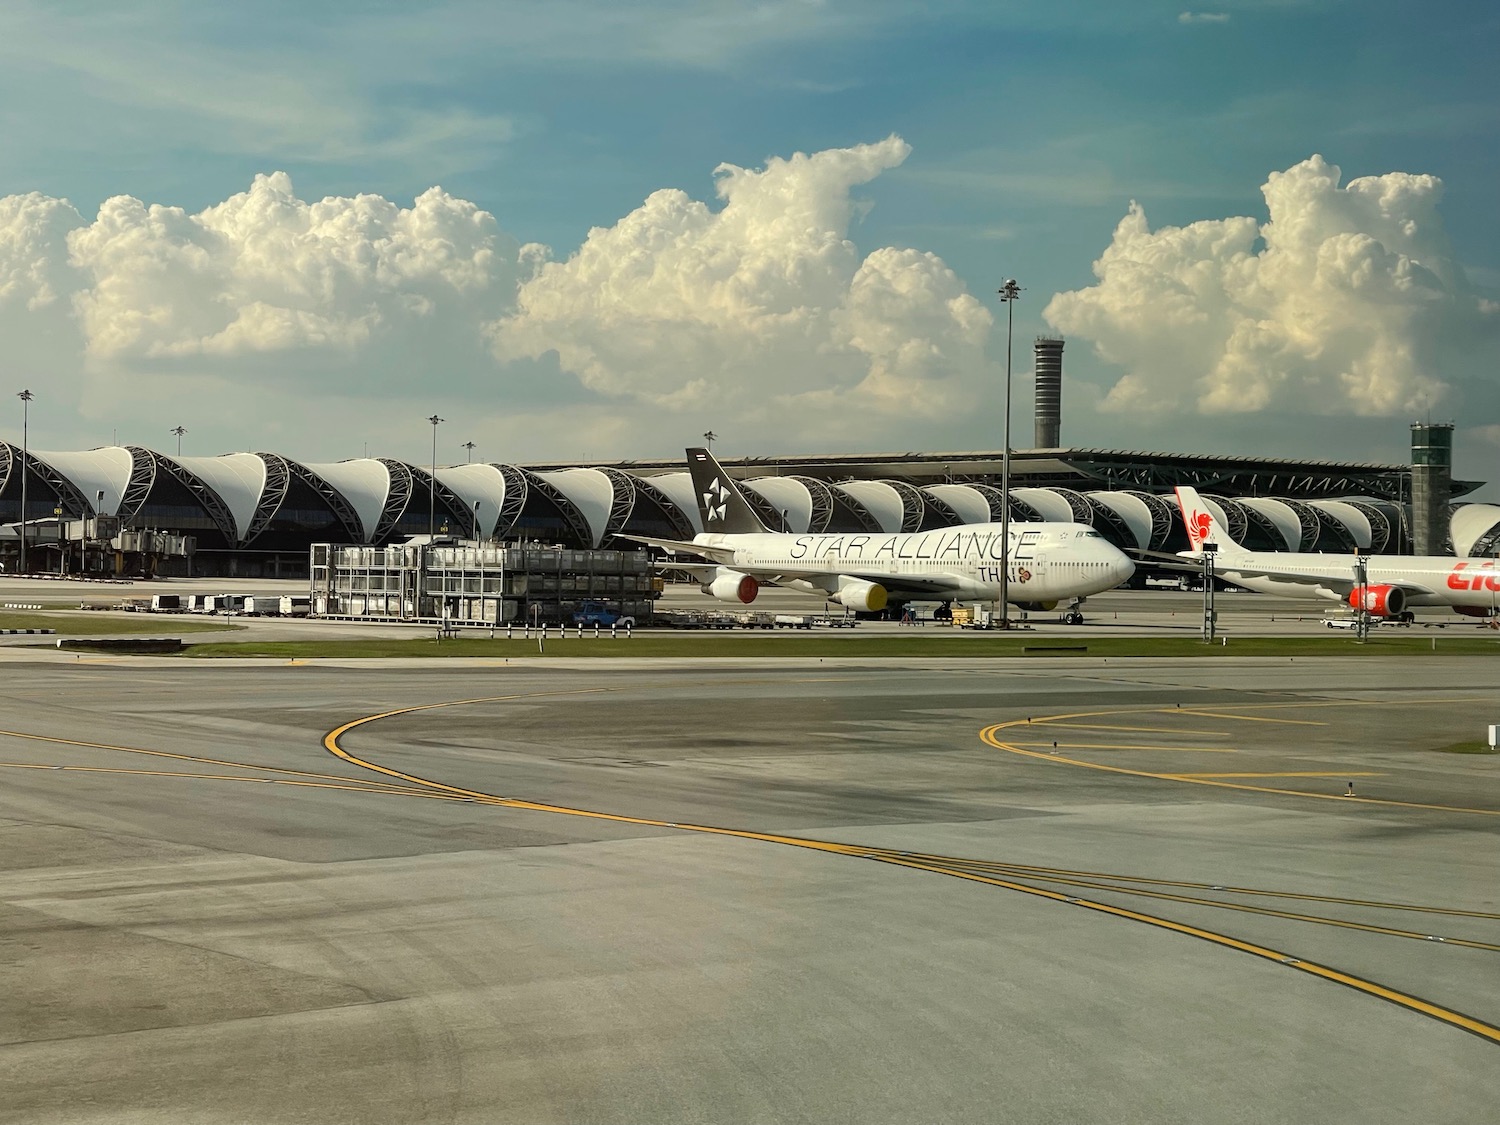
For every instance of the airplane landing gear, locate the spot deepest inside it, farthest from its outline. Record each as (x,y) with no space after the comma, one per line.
(1074,616)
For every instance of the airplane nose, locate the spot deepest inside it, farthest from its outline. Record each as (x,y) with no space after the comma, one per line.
(1121,568)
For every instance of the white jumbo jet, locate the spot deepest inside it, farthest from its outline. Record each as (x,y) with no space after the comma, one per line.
(1048,562)
(1470,586)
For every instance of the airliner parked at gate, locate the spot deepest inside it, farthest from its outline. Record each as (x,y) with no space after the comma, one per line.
(1470,586)
(1046,562)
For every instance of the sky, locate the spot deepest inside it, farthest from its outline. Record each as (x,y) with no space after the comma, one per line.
(582,230)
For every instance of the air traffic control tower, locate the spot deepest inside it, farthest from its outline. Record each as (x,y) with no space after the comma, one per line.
(1048,392)
(1431,486)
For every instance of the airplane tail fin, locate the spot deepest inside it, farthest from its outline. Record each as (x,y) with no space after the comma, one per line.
(1202,526)
(720,502)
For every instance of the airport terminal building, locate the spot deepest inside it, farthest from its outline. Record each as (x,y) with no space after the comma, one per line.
(257,514)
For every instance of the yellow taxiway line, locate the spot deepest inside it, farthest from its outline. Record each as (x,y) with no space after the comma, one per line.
(331,742)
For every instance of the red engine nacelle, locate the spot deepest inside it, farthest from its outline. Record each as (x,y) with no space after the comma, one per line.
(732,586)
(1382,601)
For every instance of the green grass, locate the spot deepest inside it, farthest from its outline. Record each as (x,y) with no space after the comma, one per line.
(1474,747)
(711,645)
(80,623)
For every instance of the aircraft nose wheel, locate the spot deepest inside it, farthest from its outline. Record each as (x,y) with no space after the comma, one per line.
(1073,618)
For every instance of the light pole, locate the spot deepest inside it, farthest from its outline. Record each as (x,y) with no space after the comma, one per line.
(25,396)
(1010,292)
(710,437)
(1361,596)
(432,481)
(1210,617)
(468,452)
(179,431)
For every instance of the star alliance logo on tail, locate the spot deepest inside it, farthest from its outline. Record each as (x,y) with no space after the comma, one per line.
(716,500)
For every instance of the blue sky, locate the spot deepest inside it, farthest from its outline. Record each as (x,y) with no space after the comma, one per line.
(1030,129)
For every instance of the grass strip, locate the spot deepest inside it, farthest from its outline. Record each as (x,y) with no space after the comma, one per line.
(85,624)
(1474,747)
(711,645)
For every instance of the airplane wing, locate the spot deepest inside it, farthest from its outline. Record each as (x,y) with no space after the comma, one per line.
(1340,583)
(1227,572)
(723,556)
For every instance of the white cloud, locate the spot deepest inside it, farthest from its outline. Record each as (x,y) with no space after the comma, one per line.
(284,320)
(1348,301)
(1203,17)
(760,307)
(265,271)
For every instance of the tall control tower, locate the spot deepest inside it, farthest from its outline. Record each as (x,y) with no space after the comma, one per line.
(1431,486)
(1048,392)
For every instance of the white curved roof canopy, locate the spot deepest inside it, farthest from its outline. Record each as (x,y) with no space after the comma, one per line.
(1469,522)
(93,471)
(591,492)
(364,482)
(679,490)
(1351,517)
(482,484)
(238,478)
(1281,515)
(1053,507)
(879,499)
(785,495)
(1131,509)
(969,503)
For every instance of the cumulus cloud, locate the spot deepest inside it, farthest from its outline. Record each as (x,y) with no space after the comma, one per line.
(760,306)
(1203,17)
(290,309)
(1347,301)
(265,271)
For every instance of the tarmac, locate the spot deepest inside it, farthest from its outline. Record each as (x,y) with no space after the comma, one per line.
(748,891)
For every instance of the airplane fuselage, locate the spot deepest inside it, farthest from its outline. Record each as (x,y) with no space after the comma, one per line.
(1046,562)
(1471,582)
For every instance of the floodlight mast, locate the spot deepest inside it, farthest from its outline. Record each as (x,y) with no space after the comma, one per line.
(25,396)
(1010,292)
(432,481)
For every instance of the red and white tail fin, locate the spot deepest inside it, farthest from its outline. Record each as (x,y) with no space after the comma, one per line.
(1202,527)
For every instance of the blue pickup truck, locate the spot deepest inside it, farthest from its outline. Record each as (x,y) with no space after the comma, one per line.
(597,613)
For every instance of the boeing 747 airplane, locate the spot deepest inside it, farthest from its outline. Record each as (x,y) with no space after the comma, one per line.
(1392,582)
(1047,562)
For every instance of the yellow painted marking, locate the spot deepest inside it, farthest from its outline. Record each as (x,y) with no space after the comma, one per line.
(1243,718)
(1413,1003)
(1134,746)
(1445,1015)
(1045,872)
(1242,908)
(1133,730)
(990,736)
(1283,773)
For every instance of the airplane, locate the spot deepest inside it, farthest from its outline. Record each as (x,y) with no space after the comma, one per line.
(1047,562)
(1470,586)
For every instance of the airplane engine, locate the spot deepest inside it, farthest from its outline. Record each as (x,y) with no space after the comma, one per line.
(1474,610)
(1036,607)
(1382,601)
(857,594)
(732,586)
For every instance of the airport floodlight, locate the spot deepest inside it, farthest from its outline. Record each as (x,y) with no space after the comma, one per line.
(432,480)
(468,448)
(1009,293)
(709,438)
(25,396)
(179,431)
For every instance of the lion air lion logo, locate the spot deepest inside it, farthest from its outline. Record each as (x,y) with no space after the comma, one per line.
(1201,523)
